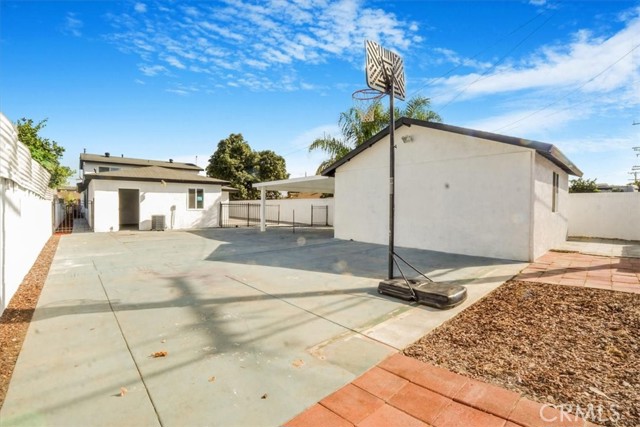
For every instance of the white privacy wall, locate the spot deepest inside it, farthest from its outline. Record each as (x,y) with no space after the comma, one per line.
(605,215)
(549,228)
(155,199)
(25,211)
(454,193)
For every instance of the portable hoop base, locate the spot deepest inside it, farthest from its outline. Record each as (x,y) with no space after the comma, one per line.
(425,292)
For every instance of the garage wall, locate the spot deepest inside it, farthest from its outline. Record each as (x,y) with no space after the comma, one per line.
(454,194)
(155,199)
(605,215)
(549,228)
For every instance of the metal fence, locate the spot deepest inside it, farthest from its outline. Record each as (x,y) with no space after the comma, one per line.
(247,214)
(69,217)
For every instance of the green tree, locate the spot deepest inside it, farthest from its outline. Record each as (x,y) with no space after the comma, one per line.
(583,186)
(236,162)
(355,130)
(44,151)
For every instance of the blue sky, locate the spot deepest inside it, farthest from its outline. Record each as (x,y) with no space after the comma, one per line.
(169,79)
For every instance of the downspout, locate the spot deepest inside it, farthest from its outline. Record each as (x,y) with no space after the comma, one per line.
(532,204)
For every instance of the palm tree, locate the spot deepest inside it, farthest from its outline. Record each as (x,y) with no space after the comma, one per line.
(357,126)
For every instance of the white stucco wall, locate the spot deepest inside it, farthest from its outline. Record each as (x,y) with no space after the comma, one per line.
(454,194)
(549,228)
(26,225)
(604,215)
(155,199)
(25,211)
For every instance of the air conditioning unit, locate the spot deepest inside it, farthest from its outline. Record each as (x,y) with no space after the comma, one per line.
(157,222)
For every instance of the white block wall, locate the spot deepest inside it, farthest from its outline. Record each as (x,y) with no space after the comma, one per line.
(605,215)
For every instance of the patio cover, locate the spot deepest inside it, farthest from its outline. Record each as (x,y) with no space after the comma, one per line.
(307,184)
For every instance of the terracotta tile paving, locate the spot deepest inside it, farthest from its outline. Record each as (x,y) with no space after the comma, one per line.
(366,403)
(402,391)
(591,271)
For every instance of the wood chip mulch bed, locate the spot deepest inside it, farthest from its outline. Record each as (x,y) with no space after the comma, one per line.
(563,345)
(15,319)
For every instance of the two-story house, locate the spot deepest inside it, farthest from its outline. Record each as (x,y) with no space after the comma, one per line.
(126,193)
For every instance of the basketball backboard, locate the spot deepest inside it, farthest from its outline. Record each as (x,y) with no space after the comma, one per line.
(382,65)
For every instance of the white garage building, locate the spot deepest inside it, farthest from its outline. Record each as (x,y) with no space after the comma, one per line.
(126,193)
(458,190)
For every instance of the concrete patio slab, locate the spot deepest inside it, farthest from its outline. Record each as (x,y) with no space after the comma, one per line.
(605,247)
(256,326)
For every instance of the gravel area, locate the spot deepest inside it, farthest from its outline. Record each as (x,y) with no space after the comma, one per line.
(15,319)
(563,345)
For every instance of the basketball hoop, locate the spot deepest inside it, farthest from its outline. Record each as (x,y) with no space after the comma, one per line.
(365,100)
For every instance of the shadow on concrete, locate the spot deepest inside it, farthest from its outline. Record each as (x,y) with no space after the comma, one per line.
(316,250)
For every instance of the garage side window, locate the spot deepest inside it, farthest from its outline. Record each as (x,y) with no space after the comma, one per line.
(556,190)
(196,198)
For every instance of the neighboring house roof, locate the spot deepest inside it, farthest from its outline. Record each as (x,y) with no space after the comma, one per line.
(155,173)
(548,151)
(100,158)
(229,189)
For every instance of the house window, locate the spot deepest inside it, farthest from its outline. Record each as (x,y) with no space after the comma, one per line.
(196,198)
(556,191)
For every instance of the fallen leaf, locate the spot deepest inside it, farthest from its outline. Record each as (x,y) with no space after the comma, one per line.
(212,379)
(298,363)
(123,391)
(160,354)
(264,396)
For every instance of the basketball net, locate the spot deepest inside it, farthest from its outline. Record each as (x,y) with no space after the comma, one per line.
(365,102)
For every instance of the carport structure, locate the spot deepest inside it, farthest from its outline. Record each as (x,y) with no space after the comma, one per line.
(310,184)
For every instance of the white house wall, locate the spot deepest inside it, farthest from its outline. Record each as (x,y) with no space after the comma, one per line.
(549,228)
(169,200)
(454,194)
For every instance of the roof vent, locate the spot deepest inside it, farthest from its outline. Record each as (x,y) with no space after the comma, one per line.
(170,160)
(107,154)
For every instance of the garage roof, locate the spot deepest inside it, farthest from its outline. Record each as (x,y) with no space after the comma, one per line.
(129,161)
(547,151)
(307,184)
(155,173)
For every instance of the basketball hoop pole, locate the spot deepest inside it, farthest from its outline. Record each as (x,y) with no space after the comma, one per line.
(392,173)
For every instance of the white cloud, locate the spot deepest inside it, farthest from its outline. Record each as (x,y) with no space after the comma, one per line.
(152,70)
(172,60)
(268,39)
(522,122)
(72,25)
(140,7)
(564,67)
(594,144)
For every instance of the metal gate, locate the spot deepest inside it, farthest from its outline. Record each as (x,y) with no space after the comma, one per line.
(247,214)
(69,217)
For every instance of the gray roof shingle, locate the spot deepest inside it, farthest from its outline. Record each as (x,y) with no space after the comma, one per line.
(129,161)
(155,173)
